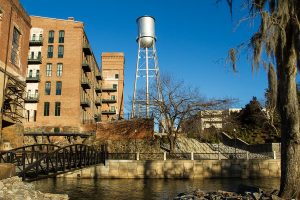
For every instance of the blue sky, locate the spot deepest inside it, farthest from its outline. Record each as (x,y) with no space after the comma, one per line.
(193,38)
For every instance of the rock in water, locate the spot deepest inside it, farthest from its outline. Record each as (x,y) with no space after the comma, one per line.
(14,189)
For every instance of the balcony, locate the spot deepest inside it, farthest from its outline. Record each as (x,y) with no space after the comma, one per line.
(108,101)
(84,102)
(108,112)
(97,117)
(85,83)
(109,89)
(86,66)
(36,42)
(98,102)
(98,89)
(33,79)
(87,49)
(32,98)
(98,76)
(34,60)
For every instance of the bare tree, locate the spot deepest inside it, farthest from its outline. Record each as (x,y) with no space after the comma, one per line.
(180,103)
(279,36)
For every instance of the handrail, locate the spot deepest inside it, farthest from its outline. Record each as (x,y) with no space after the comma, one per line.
(62,160)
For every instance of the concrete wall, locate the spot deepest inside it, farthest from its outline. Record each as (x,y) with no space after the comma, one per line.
(181,169)
(254,148)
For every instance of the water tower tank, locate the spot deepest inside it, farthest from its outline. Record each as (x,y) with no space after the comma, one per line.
(146,31)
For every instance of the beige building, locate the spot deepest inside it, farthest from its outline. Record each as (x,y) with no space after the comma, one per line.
(63,77)
(14,36)
(112,86)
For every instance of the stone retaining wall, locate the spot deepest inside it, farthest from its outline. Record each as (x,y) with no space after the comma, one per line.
(180,169)
(7,170)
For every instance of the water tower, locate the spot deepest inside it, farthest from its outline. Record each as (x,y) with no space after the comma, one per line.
(147,71)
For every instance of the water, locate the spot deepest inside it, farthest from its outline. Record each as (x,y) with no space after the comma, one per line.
(149,189)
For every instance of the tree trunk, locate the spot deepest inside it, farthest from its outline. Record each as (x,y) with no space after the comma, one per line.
(172,143)
(288,107)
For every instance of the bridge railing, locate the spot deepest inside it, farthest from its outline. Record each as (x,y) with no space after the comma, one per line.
(42,161)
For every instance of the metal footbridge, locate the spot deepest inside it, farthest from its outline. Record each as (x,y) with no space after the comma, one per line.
(41,161)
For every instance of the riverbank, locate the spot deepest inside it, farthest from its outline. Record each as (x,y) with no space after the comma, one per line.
(13,188)
(244,192)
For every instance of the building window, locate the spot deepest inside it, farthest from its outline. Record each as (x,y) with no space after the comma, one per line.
(49,69)
(113,97)
(33,37)
(57,108)
(51,37)
(60,51)
(115,86)
(59,69)
(1,14)
(46,108)
(40,37)
(30,73)
(37,73)
(61,38)
(47,88)
(112,108)
(116,76)
(15,47)
(34,115)
(50,51)
(58,87)
(28,115)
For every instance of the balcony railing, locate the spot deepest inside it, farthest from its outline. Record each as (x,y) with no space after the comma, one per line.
(84,102)
(32,98)
(35,60)
(87,49)
(109,101)
(109,89)
(33,79)
(36,42)
(98,89)
(108,112)
(86,66)
(98,76)
(98,102)
(97,117)
(85,83)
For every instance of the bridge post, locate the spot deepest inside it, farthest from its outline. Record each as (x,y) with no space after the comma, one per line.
(23,163)
(64,162)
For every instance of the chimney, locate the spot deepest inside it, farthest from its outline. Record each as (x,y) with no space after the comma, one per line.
(71,18)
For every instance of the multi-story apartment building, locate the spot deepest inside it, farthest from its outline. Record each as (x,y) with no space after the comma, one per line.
(63,78)
(14,36)
(112,86)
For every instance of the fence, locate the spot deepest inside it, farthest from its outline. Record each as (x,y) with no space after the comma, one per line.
(190,156)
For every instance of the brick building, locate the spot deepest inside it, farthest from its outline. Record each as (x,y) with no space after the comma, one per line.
(14,40)
(63,77)
(113,86)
